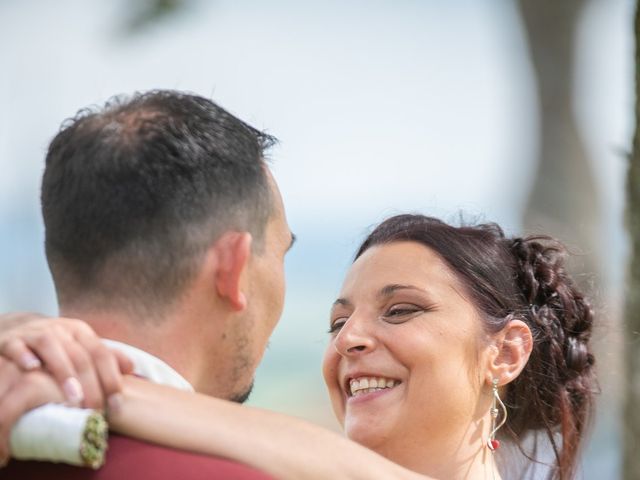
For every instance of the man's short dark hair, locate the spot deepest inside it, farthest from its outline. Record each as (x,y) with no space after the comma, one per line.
(134,193)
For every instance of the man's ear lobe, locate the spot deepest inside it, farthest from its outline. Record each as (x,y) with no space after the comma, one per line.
(513,345)
(233,250)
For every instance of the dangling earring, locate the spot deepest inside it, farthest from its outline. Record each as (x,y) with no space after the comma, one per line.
(492,443)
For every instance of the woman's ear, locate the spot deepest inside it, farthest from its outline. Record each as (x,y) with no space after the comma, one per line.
(513,345)
(233,250)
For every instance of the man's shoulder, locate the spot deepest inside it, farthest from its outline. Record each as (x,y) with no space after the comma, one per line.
(129,458)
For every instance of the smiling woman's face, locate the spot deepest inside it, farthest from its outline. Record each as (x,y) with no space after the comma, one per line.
(404,365)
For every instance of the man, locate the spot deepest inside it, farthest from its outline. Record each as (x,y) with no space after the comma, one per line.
(166,233)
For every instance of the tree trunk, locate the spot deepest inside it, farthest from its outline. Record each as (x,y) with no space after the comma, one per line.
(631,423)
(564,198)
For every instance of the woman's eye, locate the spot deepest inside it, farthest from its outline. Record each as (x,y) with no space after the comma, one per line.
(397,312)
(337,324)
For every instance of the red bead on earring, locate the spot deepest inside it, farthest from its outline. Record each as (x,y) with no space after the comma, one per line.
(493,444)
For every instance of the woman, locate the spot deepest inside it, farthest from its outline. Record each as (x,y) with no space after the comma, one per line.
(440,335)
(460,307)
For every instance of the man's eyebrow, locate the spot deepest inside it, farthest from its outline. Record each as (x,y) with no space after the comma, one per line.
(293,240)
(389,290)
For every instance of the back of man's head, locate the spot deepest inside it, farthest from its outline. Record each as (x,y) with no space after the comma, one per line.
(134,193)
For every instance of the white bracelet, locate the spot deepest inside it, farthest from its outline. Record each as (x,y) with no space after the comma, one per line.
(56,433)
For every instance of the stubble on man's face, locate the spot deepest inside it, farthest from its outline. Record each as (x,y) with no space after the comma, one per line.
(243,368)
(266,298)
(243,397)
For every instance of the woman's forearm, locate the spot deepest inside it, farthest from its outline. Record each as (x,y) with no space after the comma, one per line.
(283,446)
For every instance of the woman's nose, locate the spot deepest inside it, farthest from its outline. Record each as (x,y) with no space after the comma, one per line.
(355,337)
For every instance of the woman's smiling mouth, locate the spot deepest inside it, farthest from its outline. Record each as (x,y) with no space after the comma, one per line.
(363,385)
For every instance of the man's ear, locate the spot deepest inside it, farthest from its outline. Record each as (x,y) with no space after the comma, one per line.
(510,352)
(232,250)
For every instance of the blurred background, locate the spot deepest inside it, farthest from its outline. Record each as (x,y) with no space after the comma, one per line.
(519,112)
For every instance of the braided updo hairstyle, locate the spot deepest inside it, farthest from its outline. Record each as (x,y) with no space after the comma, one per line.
(521,278)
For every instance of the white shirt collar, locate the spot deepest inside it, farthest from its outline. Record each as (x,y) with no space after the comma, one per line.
(151,367)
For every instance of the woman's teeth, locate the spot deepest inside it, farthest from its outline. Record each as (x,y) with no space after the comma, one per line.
(362,385)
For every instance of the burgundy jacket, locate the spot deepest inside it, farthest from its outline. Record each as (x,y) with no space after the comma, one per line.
(129,459)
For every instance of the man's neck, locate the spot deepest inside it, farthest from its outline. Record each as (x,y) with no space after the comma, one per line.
(156,336)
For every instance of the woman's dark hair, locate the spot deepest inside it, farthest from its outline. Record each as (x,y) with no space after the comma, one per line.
(522,278)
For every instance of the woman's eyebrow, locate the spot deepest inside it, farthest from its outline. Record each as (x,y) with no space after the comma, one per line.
(341,301)
(389,290)
(385,292)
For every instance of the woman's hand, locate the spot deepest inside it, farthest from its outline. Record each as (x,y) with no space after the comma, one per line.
(87,371)
(45,360)
(20,392)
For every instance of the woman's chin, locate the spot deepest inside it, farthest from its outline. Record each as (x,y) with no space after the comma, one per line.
(367,434)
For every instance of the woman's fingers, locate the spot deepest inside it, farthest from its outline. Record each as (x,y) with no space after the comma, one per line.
(16,350)
(9,375)
(106,364)
(70,350)
(9,372)
(124,363)
(45,343)
(84,388)
(28,390)
(60,355)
